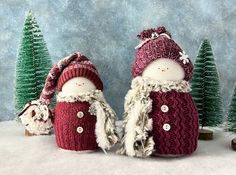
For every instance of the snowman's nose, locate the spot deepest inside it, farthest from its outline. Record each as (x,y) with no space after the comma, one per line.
(163,70)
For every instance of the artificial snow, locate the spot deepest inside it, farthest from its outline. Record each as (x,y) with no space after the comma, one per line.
(39,155)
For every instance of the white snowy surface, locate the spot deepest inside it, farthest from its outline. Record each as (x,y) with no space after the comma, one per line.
(39,155)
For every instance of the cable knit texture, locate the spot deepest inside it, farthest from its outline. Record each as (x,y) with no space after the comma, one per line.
(145,118)
(182,117)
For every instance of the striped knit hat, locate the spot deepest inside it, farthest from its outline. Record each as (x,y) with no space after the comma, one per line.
(157,43)
(75,65)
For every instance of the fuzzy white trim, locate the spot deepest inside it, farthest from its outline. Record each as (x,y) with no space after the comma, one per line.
(105,125)
(132,129)
(36,119)
(137,124)
(148,85)
(100,132)
(62,97)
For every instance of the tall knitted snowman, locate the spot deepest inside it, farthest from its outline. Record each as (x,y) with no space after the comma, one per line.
(83,121)
(160,116)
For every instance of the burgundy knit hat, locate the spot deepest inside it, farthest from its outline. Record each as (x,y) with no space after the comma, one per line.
(75,65)
(157,43)
(80,67)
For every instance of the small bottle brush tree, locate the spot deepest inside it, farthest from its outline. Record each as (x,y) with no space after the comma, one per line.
(231,119)
(206,90)
(33,64)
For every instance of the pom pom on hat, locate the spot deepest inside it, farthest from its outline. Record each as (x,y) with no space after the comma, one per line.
(36,118)
(149,33)
(145,34)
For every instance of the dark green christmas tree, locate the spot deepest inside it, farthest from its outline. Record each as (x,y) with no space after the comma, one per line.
(206,87)
(33,64)
(231,119)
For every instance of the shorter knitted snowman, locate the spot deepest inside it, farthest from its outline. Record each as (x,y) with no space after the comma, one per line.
(160,116)
(83,121)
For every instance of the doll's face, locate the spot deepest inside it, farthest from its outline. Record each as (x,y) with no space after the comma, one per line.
(77,85)
(164,69)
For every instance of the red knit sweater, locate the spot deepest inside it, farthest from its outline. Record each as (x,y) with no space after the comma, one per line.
(175,123)
(74,126)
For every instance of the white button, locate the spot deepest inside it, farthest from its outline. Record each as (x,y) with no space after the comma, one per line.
(166,127)
(164,108)
(80,129)
(80,114)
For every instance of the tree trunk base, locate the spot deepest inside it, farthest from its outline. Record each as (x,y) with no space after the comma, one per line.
(27,133)
(233,144)
(205,134)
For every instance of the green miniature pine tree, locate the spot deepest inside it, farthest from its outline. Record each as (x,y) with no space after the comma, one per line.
(231,119)
(33,64)
(206,87)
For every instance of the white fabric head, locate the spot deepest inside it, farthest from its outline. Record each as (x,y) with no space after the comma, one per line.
(164,69)
(77,86)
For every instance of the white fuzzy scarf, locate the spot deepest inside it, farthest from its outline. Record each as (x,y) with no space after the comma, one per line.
(137,124)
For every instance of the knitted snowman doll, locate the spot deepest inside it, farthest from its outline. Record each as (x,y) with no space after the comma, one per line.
(83,121)
(160,115)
